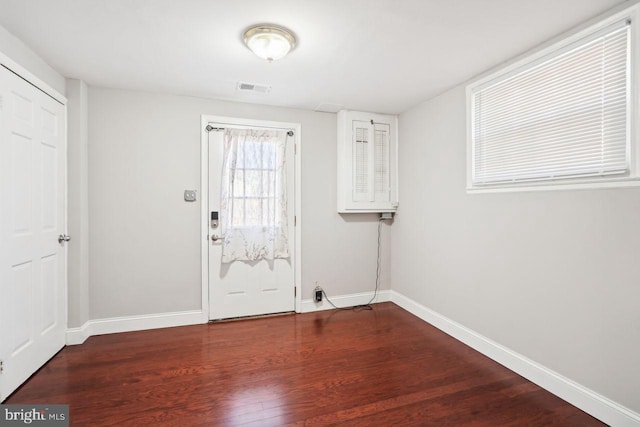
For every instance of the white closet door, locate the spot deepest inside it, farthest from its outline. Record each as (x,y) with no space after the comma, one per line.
(32,216)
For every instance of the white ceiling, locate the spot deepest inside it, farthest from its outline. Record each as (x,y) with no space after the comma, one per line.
(373,55)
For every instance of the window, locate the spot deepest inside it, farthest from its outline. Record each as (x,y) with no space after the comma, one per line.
(256,184)
(560,117)
(253,195)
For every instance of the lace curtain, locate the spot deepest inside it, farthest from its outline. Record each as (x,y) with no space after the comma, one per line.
(253,195)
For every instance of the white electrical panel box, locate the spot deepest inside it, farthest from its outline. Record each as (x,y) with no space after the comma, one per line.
(367,162)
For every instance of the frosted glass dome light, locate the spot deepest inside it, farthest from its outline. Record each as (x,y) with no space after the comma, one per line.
(269,42)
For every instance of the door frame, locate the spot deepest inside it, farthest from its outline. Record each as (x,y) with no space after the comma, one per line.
(204,200)
(25,74)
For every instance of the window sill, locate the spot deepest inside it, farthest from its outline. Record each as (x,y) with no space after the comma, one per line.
(556,185)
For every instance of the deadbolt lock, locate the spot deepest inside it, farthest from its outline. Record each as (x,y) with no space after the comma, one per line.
(214,219)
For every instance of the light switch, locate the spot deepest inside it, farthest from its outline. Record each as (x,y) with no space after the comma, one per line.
(190,195)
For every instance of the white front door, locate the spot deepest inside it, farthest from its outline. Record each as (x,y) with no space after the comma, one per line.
(32,216)
(247,288)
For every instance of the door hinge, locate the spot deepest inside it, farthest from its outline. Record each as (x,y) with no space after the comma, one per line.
(295,291)
(295,220)
(1,366)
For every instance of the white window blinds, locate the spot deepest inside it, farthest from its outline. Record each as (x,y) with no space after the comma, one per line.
(361,163)
(564,116)
(381,156)
(370,180)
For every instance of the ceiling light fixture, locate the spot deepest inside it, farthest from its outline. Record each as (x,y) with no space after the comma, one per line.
(269,42)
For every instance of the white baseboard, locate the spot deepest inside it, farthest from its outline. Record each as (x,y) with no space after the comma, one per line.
(113,325)
(348,300)
(586,399)
(133,323)
(79,335)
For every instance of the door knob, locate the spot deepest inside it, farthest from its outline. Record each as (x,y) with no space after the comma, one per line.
(215,238)
(63,238)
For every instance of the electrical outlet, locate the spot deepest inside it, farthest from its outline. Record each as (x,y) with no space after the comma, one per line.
(317,294)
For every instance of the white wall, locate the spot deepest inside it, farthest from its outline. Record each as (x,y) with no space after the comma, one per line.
(77,203)
(15,49)
(144,150)
(553,275)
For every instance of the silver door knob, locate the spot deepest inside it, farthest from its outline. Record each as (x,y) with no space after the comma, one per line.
(63,238)
(215,238)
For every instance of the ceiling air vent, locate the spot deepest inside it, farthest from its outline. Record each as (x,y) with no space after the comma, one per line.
(253,87)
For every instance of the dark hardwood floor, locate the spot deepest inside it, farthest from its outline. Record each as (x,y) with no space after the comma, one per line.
(382,367)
